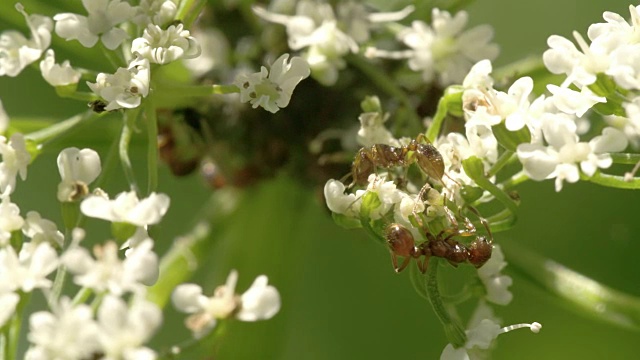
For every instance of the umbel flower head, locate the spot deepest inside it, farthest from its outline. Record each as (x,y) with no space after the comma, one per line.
(272,89)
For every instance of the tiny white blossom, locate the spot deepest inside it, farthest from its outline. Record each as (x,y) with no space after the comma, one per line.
(15,159)
(272,89)
(372,130)
(58,75)
(126,87)
(8,302)
(157,12)
(29,269)
(574,102)
(164,46)
(123,329)
(127,208)
(260,302)
(16,51)
(494,281)
(77,168)
(10,219)
(41,230)
(101,23)
(108,272)
(338,201)
(68,333)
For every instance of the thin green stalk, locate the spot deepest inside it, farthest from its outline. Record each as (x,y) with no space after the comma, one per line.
(613,181)
(82,296)
(579,293)
(438,119)
(452,327)
(189,11)
(59,128)
(123,149)
(514,180)
(504,159)
(15,324)
(172,91)
(152,146)
(474,167)
(625,158)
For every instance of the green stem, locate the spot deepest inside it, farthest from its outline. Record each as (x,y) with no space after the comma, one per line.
(504,159)
(123,148)
(613,181)
(452,328)
(189,11)
(82,296)
(386,84)
(115,57)
(474,168)
(57,129)
(578,292)
(13,335)
(78,95)
(438,119)
(172,91)
(152,146)
(190,251)
(515,180)
(625,158)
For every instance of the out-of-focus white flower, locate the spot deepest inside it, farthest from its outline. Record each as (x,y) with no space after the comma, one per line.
(77,168)
(101,23)
(41,230)
(260,302)
(272,89)
(372,130)
(68,333)
(215,50)
(108,272)
(494,281)
(8,302)
(157,12)
(358,20)
(443,51)
(10,219)
(15,159)
(126,208)
(58,75)
(624,67)
(164,46)
(126,87)
(123,329)
(16,51)
(29,270)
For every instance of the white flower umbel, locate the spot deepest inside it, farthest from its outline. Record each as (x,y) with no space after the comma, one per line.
(495,283)
(30,269)
(260,302)
(164,46)
(55,74)
(125,88)
(123,329)
(101,23)
(10,219)
(15,159)
(272,89)
(482,330)
(127,208)
(69,332)
(16,51)
(108,273)
(41,230)
(157,12)
(358,19)
(77,168)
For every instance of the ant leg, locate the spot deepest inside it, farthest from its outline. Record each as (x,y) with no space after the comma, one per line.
(424,264)
(394,261)
(484,221)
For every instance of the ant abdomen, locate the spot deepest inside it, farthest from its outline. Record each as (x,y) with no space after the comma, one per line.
(480,251)
(400,240)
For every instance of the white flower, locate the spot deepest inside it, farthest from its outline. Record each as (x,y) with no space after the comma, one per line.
(101,23)
(10,219)
(272,89)
(495,283)
(372,130)
(574,102)
(15,159)
(338,201)
(123,329)
(58,75)
(16,51)
(215,51)
(624,67)
(359,21)
(126,208)
(68,333)
(126,87)
(164,46)
(157,12)
(444,49)
(77,168)
(8,302)
(30,269)
(108,272)
(260,302)
(617,27)
(41,230)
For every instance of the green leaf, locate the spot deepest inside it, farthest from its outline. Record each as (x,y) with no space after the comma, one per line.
(346,221)
(511,139)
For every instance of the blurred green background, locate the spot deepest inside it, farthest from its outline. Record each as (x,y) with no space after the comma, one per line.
(340,296)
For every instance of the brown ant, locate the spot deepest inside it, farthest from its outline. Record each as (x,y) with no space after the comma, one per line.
(402,243)
(385,156)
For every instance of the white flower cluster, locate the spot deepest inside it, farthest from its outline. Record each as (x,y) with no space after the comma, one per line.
(327,38)
(442,51)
